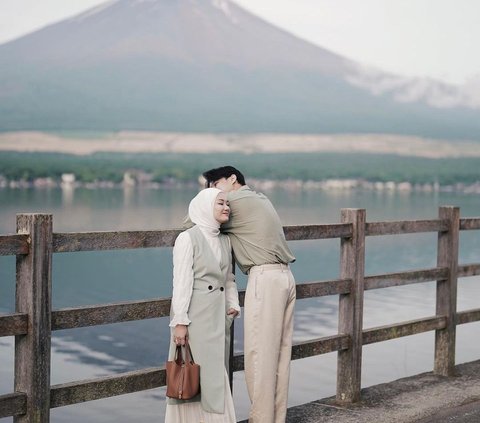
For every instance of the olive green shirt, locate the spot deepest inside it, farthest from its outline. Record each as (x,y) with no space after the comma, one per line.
(255,230)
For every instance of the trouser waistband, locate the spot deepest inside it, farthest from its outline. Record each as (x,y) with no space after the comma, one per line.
(267,267)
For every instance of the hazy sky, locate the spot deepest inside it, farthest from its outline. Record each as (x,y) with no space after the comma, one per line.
(435,38)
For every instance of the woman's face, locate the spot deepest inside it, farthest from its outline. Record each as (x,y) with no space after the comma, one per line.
(221,209)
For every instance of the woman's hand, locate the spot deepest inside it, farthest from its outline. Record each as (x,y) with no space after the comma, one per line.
(180,334)
(232,312)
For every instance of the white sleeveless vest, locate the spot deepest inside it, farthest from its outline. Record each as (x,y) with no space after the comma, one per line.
(209,330)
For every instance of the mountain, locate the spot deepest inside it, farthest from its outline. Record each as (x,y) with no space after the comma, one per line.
(207,66)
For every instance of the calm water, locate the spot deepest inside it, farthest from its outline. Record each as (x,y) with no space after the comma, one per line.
(100,277)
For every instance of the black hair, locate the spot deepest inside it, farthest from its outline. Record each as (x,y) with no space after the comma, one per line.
(213,175)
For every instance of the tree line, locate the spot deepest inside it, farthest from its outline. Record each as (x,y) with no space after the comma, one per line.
(187,167)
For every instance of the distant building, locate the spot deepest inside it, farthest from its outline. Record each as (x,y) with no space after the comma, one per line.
(404,186)
(133,177)
(68,179)
(44,183)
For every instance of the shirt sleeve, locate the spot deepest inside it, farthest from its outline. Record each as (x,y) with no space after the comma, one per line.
(231,292)
(182,279)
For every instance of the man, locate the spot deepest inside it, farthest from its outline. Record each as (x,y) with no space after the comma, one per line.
(261,251)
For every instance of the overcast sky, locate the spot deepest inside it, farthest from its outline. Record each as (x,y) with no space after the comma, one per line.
(433,38)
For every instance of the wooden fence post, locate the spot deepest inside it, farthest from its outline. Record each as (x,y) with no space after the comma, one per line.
(231,356)
(447,256)
(33,296)
(350,315)
(231,353)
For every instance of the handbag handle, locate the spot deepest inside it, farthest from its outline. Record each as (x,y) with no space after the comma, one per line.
(188,353)
(179,355)
(178,358)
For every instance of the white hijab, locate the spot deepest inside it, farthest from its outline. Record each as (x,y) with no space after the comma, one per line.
(201,209)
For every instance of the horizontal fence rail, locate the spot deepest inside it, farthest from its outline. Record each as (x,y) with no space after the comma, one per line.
(405,227)
(304,232)
(13,404)
(69,318)
(405,278)
(97,241)
(468,270)
(108,386)
(413,327)
(14,324)
(469,224)
(468,316)
(11,245)
(35,247)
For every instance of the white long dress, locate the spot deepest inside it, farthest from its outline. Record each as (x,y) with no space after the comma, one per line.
(193,412)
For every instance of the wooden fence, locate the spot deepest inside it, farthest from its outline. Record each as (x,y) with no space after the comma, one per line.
(34,320)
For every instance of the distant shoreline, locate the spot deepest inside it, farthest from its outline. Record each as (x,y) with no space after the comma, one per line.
(165,160)
(258,184)
(165,142)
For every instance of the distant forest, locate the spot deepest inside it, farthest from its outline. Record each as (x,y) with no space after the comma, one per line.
(188,167)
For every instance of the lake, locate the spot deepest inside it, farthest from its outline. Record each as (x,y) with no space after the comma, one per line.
(101,277)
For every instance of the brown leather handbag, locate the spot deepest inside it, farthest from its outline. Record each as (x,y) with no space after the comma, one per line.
(183,375)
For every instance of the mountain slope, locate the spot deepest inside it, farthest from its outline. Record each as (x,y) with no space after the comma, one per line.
(198,65)
(190,31)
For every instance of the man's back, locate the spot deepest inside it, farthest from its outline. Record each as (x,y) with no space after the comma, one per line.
(255,230)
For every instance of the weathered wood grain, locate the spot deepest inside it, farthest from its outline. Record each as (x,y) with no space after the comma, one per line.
(468,316)
(89,241)
(468,270)
(323,288)
(11,245)
(306,349)
(97,241)
(231,355)
(350,313)
(303,232)
(13,404)
(238,362)
(384,333)
(315,289)
(446,305)
(108,386)
(405,278)
(33,297)
(241,297)
(35,243)
(470,223)
(405,227)
(232,338)
(101,314)
(319,346)
(14,324)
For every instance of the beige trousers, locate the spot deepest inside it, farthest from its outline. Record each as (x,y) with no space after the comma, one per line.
(269,307)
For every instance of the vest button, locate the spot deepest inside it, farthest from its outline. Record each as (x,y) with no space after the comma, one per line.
(221,288)
(210,287)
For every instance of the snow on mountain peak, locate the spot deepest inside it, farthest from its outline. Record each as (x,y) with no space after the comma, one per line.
(410,89)
(224,6)
(221,5)
(94,11)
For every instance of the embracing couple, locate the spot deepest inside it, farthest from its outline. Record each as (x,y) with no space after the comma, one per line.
(228,215)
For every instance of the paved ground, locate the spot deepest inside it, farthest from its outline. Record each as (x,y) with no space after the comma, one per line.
(425,398)
(468,413)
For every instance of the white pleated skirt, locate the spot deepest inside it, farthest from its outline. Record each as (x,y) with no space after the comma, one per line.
(192,412)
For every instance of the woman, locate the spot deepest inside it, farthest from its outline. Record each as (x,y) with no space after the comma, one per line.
(204,304)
